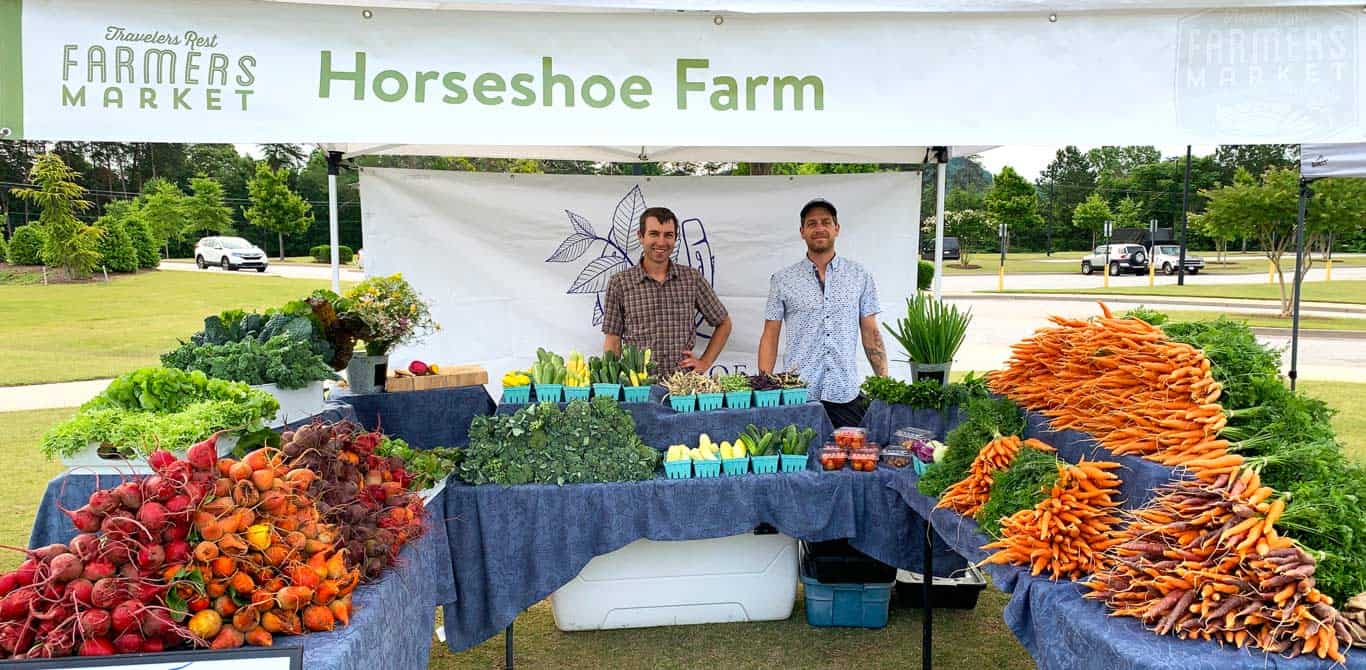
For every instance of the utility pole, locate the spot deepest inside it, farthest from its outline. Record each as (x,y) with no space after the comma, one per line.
(1185,212)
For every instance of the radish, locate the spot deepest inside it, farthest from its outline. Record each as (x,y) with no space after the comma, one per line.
(106,593)
(97,646)
(125,617)
(93,623)
(66,567)
(85,546)
(98,569)
(129,495)
(129,643)
(79,589)
(160,459)
(203,455)
(84,519)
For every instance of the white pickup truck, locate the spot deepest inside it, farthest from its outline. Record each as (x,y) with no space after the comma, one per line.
(1167,258)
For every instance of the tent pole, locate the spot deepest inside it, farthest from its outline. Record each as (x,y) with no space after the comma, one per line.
(1295,306)
(333,169)
(941,158)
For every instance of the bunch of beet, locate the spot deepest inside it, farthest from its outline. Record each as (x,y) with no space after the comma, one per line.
(269,564)
(104,592)
(366,495)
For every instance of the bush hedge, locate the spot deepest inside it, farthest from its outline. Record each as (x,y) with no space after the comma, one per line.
(26,247)
(323,253)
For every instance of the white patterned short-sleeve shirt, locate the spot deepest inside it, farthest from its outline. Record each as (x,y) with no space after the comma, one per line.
(821,326)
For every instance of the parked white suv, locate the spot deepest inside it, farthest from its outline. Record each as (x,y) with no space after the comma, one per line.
(1167,258)
(229,253)
(1121,258)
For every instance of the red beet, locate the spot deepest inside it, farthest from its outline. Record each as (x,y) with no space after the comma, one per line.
(26,572)
(153,646)
(51,590)
(160,459)
(117,553)
(177,551)
(84,519)
(18,603)
(156,623)
(98,569)
(66,567)
(97,646)
(10,638)
(151,557)
(79,589)
(129,495)
(106,593)
(153,515)
(94,623)
(103,502)
(176,532)
(46,553)
(178,504)
(8,582)
(85,546)
(204,455)
(127,616)
(148,592)
(130,572)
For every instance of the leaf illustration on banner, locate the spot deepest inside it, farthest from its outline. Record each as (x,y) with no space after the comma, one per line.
(593,279)
(694,250)
(571,248)
(598,313)
(580,224)
(626,222)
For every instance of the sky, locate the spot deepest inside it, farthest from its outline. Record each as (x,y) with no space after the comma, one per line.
(1030,160)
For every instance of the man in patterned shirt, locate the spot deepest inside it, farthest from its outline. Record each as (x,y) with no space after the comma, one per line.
(827,304)
(654,304)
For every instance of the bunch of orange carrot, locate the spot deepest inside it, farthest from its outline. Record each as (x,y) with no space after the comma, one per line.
(1125,383)
(968,495)
(1204,560)
(1068,532)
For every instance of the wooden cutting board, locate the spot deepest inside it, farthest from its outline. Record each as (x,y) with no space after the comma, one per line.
(451,376)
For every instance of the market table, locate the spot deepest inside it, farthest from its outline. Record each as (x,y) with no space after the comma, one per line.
(423,419)
(393,619)
(882,420)
(659,426)
(514,546)
(1056,625)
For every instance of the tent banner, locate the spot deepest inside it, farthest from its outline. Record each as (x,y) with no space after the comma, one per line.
(1332,160)
(512,262)
(247,71)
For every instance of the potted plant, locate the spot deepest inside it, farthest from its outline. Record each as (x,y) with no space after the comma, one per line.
(394,313)
(930,335)
(736,388)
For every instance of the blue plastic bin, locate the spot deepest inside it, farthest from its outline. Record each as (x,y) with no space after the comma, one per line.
(846,605)
(683,403)
(549,392)
(577,392)
(516,395)
(706,469)
(794,396)
(612,391)
(764,465)
(636,393)
(710,401)
(738,399)
(678,469)
(768,398)
(735,466)
(794,463)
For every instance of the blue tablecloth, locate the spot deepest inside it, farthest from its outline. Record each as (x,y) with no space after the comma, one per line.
(882,420)
(659,426)
(1055,624)
(424,419)
(514,546)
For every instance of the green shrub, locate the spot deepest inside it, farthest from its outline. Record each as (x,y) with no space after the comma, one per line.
(323,253)
(117,253)
(148,250)
(26,247)
(4,248)
(924,277)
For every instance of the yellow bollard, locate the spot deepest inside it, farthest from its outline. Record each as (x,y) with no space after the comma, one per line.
(1152,274)
(1328,270)
(1001,280)
(1106,272)
(1270,272)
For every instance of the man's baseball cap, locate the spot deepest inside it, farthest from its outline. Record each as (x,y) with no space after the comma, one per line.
(819,202)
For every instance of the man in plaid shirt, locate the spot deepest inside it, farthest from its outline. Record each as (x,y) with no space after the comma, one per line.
(654,304)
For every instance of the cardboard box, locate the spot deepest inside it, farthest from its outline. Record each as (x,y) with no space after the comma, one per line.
(451,376)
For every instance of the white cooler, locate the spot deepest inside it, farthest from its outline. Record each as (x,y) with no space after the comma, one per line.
(746,577)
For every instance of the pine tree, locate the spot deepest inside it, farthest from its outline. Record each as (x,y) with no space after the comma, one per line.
(70,243)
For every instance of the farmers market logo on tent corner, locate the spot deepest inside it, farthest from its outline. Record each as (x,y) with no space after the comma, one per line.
(621,249)
(136,68)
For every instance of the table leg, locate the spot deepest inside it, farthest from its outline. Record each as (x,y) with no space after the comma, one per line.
(927,630)
(507,647)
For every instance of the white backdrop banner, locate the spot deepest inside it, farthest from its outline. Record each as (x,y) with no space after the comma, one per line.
(516,262)
(241,71)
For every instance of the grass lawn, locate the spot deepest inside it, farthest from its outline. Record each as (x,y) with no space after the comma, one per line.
(964,640)
(1344,290)
(1069,262)
(1264,321)
(90,331)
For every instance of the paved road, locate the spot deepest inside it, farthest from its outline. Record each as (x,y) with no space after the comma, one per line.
(290,270)
(1076,280)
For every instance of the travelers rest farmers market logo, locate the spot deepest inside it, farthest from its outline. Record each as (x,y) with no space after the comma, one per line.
(132,69)
(621,249)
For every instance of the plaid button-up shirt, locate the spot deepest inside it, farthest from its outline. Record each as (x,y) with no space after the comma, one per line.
(661,316)
(821,323)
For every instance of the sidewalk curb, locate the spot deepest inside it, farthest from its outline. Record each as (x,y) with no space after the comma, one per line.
(1343,308)
(1312,334)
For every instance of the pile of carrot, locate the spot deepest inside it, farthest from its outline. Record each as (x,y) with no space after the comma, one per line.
(1069,532)
(968,495)
(1204,560)
(1125,383)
